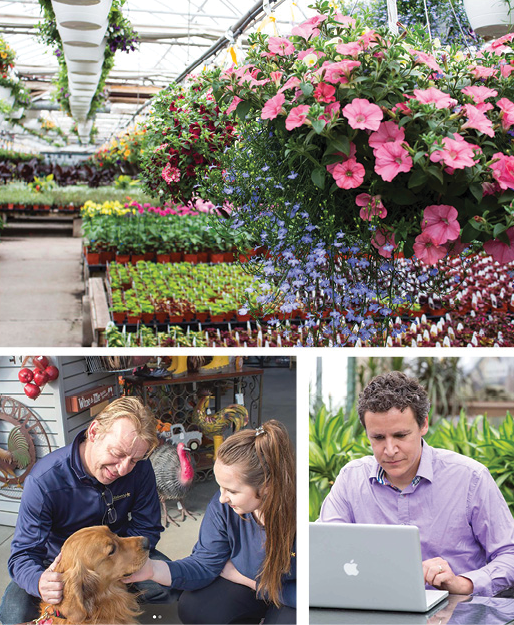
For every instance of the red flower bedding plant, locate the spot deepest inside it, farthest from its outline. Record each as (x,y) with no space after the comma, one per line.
(183,138)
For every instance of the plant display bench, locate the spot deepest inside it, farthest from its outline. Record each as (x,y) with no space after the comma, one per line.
(172,399)
(53,221)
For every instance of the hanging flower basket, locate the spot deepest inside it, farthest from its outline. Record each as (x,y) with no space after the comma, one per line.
(489,19)
(87,38)
(84,53)
(91,69)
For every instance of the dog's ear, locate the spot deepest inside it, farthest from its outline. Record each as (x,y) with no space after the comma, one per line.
(80,588)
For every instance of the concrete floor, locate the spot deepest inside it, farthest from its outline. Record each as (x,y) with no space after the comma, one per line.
(41,292)
(279,401)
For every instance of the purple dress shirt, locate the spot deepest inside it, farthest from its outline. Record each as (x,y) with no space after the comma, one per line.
(453,500)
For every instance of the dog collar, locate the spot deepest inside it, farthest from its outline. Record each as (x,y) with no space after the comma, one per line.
(46,617)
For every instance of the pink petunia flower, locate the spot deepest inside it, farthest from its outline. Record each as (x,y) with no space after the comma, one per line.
(280,46)
(362,114)
(345,20)
(506,69)
(384,242)
(456,153)
(337,73)
(477,120)
(479,71)
(291,83)
(427,251)
(309,28)
(348,175)
(479,93)
(503,170)
(389,132)
(349,49)
(331,112)
(371,206)
(343,157)
(273,106)
(500,251)
(233,105)
(297,116)
(440,223)
(434,96)
(507,116)
(391,159)
(324,93)
(426,59)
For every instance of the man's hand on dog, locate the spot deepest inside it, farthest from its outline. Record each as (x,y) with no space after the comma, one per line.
(50,584)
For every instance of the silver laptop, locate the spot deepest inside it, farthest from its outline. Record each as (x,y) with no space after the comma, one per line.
(368,567)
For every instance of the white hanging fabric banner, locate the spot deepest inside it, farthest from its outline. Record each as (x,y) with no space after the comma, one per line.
(392,16)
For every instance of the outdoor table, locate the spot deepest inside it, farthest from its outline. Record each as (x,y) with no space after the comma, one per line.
(456,610)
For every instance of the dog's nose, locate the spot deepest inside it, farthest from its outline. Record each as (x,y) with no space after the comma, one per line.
(145,543)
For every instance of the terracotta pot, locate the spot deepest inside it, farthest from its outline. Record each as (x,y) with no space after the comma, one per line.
(191,258)
(147,317)
(218,318)
(175,257)
(136,258)
(93,258)
(229,257)
(176,318)
(10,206)
(201,317)
(161,316)
(203,257)
(217,257)
(106,257)
(189,316)
(149,256)
(118,317)
(133,319)
(123,259)
(163,258)
(242,318)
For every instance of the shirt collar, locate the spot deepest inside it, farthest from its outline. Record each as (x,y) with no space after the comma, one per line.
(425,469)
(76,462)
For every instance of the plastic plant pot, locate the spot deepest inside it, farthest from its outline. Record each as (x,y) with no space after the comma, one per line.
(82,17)
(84,53)
(489,19)
(86,38)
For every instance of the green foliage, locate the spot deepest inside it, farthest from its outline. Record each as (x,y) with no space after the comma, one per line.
(335,440)
(16,157)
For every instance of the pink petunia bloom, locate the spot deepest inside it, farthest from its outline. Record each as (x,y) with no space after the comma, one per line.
(309,28)
(478,121)
(384,242)
(426,59)
(507,116)
(345,20)
(506,69)
(479,93)
(297,116)
(503,170)
(280,46)
(331,112)
(440,223)
(362,114)
(456,153)
(349,49)
(233,105)
(324,93)
(500,251)
(344,158)
(371,206)
(455,247)
(275,77)
(479,71)
(291,83)
(391,159)
(426,251)
(434,96)
(273,106)
(367,38)
(389,132)
(348,175)
(337,72)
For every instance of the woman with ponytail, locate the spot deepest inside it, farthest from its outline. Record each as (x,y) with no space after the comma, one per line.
(243,567)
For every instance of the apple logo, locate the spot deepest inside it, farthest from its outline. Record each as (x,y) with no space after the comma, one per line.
(350,568)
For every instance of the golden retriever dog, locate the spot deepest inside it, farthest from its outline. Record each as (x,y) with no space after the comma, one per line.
(93,563)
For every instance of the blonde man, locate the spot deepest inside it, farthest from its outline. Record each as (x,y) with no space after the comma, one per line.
(103,478)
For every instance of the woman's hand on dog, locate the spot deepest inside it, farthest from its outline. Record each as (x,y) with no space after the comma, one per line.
(156,570)
(233,575)
(51,584)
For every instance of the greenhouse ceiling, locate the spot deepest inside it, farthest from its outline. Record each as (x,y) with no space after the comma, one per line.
(174,36)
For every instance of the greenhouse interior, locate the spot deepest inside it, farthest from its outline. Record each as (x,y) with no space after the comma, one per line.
(278,173)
